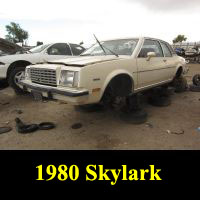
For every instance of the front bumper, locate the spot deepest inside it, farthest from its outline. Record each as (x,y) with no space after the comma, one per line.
(73,96)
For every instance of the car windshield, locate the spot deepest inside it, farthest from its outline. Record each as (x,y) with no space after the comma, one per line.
(119,47)
(38,49)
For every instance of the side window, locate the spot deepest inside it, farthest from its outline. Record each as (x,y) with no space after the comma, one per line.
(171,49)
(77,49)
(59,49)
(166,50)
(151,46)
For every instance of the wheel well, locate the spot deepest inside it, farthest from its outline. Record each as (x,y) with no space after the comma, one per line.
(20,63)
(179,72)
(121,84)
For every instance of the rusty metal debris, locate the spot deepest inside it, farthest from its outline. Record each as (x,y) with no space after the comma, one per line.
(181,132)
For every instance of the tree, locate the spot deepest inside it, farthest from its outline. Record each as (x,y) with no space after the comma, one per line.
(179,38)
(16,33)
(39,43)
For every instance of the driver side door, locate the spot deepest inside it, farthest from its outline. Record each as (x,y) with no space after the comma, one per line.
(150,71)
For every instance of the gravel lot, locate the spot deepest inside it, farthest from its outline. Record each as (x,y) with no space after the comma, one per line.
(102,130)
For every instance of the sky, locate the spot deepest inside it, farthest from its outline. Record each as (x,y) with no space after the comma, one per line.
(77,20)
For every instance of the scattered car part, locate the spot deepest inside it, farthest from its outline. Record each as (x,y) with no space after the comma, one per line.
(196,80)
(149,125)
(5,129)
(46,126)
(23,128)
(76,126)
(4,103)
(194,88)
(181,132)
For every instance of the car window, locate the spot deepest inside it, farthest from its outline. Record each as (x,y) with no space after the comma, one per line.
(151,46)
(38,49)
(166,50)
(59,49)
(120,47)
(77,49)
(171,49)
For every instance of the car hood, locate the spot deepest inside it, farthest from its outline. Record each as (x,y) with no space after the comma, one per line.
(81,61)
(12,58)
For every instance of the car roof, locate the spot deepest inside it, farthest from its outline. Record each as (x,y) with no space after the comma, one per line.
(140,37)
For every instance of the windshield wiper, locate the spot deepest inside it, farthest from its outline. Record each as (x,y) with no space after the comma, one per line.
(111,51)
(100,44)
(105,48)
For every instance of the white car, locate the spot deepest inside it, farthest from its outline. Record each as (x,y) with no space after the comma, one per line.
(191,52)
(110,69)
(12,67)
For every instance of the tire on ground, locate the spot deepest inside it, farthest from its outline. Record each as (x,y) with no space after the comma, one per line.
(180,84)
(134,116)
(160,101)
(11,80)
(196,80)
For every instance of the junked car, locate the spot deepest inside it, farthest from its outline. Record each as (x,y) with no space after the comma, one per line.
(12,67)
(108,70)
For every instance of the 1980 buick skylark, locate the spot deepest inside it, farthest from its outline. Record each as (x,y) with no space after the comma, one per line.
(114,68)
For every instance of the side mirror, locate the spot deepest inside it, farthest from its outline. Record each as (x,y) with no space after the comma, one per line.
(150,55)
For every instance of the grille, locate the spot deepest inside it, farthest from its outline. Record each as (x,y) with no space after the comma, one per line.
(43,76)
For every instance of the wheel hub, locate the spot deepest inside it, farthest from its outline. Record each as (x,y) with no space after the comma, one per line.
(18,77)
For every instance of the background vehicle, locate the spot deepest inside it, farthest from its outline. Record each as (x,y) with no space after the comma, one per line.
(12,67)
(106,71)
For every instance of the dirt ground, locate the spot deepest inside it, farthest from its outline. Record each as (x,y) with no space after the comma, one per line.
(102,130)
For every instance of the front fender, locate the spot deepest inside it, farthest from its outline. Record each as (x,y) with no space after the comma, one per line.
(182,64)
(114,74)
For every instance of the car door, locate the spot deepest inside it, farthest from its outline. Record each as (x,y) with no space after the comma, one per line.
(57,51)
(150,71)
(170,64)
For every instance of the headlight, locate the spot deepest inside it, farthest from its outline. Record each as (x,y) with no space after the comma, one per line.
(68,78)
(27,74)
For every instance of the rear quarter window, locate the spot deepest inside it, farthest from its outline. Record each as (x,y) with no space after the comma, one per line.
(166,50)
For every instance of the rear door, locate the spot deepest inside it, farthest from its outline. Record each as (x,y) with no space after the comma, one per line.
(151,72)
